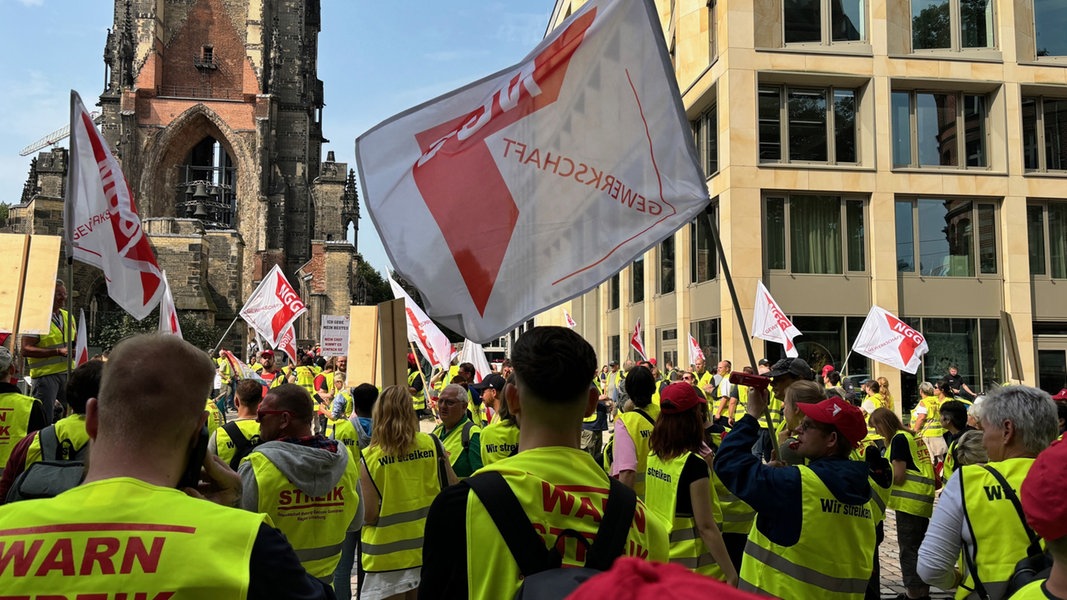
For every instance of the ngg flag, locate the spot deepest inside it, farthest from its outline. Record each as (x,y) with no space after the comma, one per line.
(890,341)
(530,187)
(770,323)
(273,307)
(100,222)
(637,341)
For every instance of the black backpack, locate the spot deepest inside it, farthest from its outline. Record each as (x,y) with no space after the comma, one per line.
(60,469)
(543,576)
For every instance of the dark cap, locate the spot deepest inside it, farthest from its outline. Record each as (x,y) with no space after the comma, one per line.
(679,397)
(866,381)
(613,363)
(797,367)
(763,362)
(491,380)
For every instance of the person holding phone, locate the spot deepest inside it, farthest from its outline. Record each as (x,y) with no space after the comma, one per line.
(140,528)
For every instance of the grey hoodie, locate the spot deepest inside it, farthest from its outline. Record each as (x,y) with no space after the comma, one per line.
(315,471)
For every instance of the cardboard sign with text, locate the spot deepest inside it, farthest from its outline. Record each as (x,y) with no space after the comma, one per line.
(333,335)
(34,261)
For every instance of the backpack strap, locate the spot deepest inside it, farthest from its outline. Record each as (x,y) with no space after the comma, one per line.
(49,440)
(610,542)
(523,541)
(645,415)
(1009,493)
(442,473)
(241,445)
(466,436)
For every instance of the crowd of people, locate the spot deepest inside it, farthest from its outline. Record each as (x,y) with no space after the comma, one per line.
(288,483)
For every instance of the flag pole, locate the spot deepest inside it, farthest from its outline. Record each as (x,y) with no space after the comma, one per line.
(219,345)
(708,211)
(845,366)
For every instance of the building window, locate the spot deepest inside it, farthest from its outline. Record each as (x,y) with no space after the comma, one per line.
(1047,229)
(206,59)
(951,24)
(613,348)
(826,341)
(807,124)
(946,237)
(665,280)
(926,128)
(668,356)
(1050,21)
(972,345)
(1045,133)
(705,135)
(637,281)
(708,338)
(703,255)
(613,293)
(713,49)
(824,21)
(822,235)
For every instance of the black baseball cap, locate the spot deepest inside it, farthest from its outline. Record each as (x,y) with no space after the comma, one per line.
(797,367)
(491,380)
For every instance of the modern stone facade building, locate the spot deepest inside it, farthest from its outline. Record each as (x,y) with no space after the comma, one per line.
(214,108)
(904,153)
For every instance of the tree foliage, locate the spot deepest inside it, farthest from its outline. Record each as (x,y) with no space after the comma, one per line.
(371,287)
(116,326)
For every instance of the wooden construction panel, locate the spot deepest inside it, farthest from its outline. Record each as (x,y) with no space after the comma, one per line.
(362,346)
(34,260)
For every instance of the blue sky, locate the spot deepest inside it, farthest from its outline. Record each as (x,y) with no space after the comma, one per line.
(375,59)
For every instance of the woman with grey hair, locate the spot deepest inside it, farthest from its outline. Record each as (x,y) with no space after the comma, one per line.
(926,422)
(969,449)
(975,513)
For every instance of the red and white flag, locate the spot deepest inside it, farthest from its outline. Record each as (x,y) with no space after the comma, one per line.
(890,341)
(81,345)
(695,351)
(168,315)
(473,353)
(101,226)
(432,342)
(287,343)
(574,162)
(770,323)
(568,320)
(636,341)
(273,307)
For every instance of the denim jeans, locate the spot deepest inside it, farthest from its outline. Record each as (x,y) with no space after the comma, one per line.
(342,575)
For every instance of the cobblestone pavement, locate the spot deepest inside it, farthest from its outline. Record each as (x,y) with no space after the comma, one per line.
(892,580)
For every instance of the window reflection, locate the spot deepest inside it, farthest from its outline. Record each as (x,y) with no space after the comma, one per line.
(1050,21)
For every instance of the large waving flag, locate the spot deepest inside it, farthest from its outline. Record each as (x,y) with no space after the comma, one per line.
(101,226)
(168,315)
(240,369)
(770,323)
(473,353)
(81,346)
(287,343)
(273,307)
(432,342)
(695,351)
(890,341)
(636,341)
(575,161)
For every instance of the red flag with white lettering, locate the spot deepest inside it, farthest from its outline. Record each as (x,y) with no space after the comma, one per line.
(287,343)
(530,187)
(637,341)
(101,225)
(770,323)
(168,314)
(890,341)
(273,307)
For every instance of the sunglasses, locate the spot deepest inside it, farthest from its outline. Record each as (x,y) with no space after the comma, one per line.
(260,413)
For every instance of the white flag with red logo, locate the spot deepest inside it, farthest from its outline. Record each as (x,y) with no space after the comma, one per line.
(168,315)
(636,341)
(81,346)
(101,226)
(518,192)
(287,343)
(568,320)
(695,351)
(433,344)
(890,341)
(273,307)
(474,354)
(770,323)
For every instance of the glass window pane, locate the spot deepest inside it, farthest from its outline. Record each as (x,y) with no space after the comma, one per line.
(905,238)
(823,342)
(845,126)
(1035,232)
(987,238)
(1050,18)
(992,371)
(702,257)
(976,23)
(1030,153)
(953,342)
(711,138)
(815,234)
(1055,114)
(613,292)
(807,125)
(930,25)
(666,266)
(1057,239)
(901,111)
(706,333)
(855,234)
(775,233)
(847,21)
(974,127)
(770,126)
(946,238)
(637,281)
(803,21)
(698,138)
(613,347)
(858,364)
(936,122)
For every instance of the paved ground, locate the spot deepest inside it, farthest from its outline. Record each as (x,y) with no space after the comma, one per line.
(892,580)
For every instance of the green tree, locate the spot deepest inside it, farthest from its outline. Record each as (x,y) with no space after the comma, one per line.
(4,206)
(114,327)
(371,287)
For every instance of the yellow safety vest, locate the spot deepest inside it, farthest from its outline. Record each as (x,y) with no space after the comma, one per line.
(14,421)
(225,371)
(407,485)
(55,338)
(315,526)
(706,379)
(1031,591)
(458,439)
(879,402)
(224,444)
(305,378)
(342,430)
(832,560)
(479,416)
(932,425)
(1000,541)
(498,441)
(661,490)
(127,537)
(349,404)
(741,409)
(640,430)
(560,488)
(916,495)
(418,399)
(215,418)
(948,467)
(732,514)
(72,437)
(879,495)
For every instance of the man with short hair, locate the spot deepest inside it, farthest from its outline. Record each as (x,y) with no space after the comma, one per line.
(550,478)
(129,500)
(956,384)
(46,357)
(722,391)
(614,381)
(490,389)
(954,420)
(364,396)
(782,374)
(458,434)
(234,440)
(21,414)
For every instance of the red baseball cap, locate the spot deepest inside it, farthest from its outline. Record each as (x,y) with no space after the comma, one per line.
(679,397)
(827,369)
(837,412)
(1042,492)
(637,579)
(1061,396)
(267,353)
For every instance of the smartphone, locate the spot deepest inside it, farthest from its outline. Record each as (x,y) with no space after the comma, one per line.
(191,476)
(754,381)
